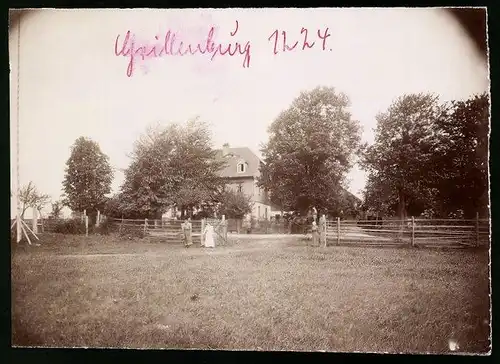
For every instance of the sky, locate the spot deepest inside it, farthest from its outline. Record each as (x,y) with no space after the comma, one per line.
(73,84)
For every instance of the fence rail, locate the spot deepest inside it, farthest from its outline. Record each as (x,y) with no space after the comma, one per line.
(414,232)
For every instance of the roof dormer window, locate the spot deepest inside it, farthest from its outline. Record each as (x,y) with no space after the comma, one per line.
(241,167)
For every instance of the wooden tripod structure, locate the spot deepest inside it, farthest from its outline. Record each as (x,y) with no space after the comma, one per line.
(22,227)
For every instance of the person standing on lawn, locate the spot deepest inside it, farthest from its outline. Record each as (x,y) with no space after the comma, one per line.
(209,236)
(187,229)
(315,234)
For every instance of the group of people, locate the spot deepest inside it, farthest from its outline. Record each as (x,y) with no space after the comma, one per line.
(207,238)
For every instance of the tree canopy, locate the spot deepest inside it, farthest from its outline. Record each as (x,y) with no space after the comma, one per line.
(88,176)
(172,166)
(29,196)
(311,147)
(57,207)
(429,157)
(461,165)
(234,205)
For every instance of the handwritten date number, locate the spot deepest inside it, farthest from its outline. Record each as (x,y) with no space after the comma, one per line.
(304,43)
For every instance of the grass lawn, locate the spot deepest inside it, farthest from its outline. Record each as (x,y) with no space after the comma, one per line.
(253,294)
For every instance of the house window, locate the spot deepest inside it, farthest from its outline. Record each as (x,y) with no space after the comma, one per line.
(258,211)
(241,167)
(239,188)
(266,213)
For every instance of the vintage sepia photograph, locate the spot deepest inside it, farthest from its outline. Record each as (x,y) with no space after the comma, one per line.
(303,180)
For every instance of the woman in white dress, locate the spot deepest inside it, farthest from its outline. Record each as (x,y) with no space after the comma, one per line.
(209,236)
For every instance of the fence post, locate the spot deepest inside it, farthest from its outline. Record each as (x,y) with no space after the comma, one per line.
(224,229)
(322,232)
(145,226)
(412,231)
(121,225)
(34,221)
(86,225)
(202,230)
(477,228)
(84,215)
(338,230)
(98,220)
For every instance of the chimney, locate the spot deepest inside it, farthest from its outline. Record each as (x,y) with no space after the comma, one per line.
(225,149)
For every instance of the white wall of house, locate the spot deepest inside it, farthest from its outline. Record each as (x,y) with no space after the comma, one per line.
(261,211)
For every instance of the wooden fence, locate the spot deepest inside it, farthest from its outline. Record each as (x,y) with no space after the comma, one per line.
(168,229)
(263,226)
(44,225)
(412,232)
(409,232)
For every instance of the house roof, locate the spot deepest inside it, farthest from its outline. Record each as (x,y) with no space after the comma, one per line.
(234,156)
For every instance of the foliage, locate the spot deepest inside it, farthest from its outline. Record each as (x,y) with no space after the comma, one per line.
(88,177)
(234,205)
(70,226)
(131,232)
(171,166)
(311,147)
(429,158)
(461,164)
(57,209)
(104,228)
(30,197)
(399,160)
(113,207)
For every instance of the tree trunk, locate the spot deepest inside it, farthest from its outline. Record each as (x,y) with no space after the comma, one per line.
(92,214)
(401,205)
(157,215)
(23,211)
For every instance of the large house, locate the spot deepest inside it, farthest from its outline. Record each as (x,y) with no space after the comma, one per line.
(241,173)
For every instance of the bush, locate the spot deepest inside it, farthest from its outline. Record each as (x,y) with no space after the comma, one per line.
(104,228)
(132,231)
(72,226)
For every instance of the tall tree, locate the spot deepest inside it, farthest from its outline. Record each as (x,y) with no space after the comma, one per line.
(461,163)
(399,161)
(311,148)
(88,177)
(430,157)
(171,166)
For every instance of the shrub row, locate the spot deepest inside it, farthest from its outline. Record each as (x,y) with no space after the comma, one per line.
(77,227)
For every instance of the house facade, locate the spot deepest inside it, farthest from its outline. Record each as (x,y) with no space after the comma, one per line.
(241,174)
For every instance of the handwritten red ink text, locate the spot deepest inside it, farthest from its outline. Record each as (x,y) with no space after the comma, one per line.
(172,45)
(305,41)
